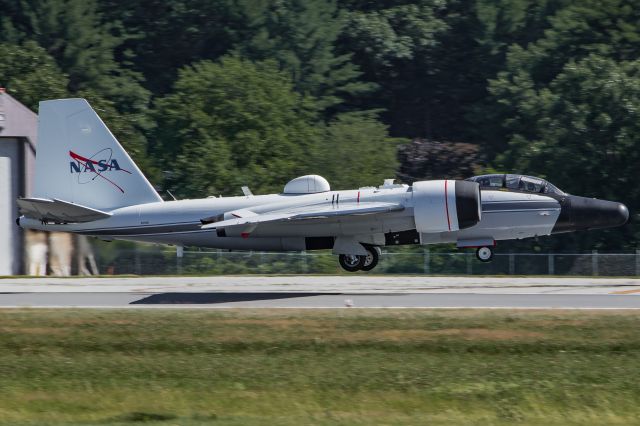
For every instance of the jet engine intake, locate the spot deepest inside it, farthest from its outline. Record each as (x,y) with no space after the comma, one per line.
(446,205)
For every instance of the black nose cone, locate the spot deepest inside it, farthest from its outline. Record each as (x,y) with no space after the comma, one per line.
(623,214)
(579,213)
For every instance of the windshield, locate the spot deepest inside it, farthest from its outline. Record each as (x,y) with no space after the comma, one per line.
(517,183)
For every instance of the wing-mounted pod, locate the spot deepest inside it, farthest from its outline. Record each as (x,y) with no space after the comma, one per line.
(446,205)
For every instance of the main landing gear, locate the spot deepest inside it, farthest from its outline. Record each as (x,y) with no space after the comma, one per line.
(354,262)
(484,254)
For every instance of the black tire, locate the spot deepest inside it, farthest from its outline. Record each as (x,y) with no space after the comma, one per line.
(351,262)
(371,259)
(484,254)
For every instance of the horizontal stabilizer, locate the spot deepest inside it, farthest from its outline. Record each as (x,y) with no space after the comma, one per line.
(313,212)
(58,211)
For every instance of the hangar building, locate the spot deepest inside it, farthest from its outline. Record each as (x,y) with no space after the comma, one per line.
(18,138)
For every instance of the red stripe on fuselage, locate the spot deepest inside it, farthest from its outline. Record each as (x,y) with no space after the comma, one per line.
(446,203)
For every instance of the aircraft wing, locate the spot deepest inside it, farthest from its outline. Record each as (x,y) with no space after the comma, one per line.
(58,210)
(313,212)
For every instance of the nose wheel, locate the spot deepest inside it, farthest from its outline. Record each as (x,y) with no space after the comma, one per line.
(484,254)
(354,262)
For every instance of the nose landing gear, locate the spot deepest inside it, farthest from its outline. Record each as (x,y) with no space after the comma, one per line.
(484,254)
(354,262)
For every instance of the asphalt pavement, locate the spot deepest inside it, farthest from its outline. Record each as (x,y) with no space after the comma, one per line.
(356,291)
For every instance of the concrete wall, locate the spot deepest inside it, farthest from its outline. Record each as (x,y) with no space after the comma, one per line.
(7,241)
(11,241)
(19,122)
(18,135)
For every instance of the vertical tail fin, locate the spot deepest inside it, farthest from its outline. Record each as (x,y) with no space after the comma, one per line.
(78,160)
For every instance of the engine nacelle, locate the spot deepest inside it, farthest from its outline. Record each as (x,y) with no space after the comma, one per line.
(446,205)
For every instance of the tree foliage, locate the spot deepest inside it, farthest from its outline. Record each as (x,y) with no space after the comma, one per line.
(30,74)
(301,36)
(75,35)
(565,106)
(356,151)
(425,159)
(212,94)
(591,110)
(394,45)
(161,37)
(233,123)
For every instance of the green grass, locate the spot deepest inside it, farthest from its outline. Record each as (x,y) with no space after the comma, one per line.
(290,367)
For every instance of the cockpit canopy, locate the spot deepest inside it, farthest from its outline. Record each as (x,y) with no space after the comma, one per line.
(516,183)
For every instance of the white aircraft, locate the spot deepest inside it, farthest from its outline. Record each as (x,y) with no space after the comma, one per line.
(86,183)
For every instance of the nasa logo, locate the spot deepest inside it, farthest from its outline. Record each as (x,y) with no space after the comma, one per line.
(82,166)
(88,169)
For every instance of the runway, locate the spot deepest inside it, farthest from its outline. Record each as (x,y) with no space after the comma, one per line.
(316,300)
(358,291)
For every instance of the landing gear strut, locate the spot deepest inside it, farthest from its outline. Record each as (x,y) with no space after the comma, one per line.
(354,262)
(484,254)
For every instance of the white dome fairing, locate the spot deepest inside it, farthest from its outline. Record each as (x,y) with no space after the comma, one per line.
(309,184)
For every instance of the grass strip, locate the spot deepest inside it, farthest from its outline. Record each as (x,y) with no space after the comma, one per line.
(290,367)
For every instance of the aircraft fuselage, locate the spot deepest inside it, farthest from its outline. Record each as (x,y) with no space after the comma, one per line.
(505,215)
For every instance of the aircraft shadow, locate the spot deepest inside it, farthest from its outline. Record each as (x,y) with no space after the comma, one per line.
(213,298)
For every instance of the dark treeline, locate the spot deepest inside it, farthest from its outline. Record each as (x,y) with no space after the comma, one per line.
(209,95)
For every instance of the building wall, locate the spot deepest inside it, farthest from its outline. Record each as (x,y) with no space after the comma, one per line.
(11,248)
(19,122)
(18,138)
